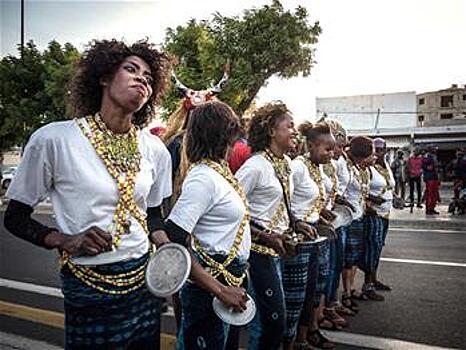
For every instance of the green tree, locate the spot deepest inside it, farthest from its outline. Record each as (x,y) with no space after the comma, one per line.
(261,43)
(33,90)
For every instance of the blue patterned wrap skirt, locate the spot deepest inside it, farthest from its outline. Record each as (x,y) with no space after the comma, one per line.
(98,320)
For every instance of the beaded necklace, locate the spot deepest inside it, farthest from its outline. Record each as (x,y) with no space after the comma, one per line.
(386,175)
(216,268)
(362,177)
(282,171)
(120,155)
(316,176)
(331,172)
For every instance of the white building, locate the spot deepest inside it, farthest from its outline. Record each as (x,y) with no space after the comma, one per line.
(404,119)
(371,112)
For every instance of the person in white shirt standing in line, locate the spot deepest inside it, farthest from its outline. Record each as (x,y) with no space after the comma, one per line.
(334,309)
(378,210)
(309,201)
(360,156)
(212,216)
(266,180)
(106,179)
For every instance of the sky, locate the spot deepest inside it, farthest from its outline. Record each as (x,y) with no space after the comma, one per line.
(366,47)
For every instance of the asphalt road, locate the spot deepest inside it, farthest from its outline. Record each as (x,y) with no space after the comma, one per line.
(427,304)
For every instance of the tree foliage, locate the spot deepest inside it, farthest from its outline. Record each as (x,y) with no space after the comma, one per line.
(261,43)
(33,90)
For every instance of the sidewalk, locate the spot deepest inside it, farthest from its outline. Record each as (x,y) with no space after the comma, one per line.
(398,218)
(418,219)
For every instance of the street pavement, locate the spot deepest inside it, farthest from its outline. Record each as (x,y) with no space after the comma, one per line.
(426,309)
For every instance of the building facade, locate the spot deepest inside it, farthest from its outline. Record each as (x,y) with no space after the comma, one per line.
(405,120)
(442,107)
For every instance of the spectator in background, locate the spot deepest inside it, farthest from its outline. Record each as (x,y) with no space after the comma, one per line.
(415,173)
(430,172)
(456,170)
(399,169)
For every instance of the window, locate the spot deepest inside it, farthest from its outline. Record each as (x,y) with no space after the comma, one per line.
(422,101)
(446,116)
(420,119)
(446,101)
(464,97)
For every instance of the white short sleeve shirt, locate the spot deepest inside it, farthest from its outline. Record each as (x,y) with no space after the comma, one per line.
(211,209)
(263,191)
(343,175)
(59,162)
(354,194)
(305,191)
(378,189)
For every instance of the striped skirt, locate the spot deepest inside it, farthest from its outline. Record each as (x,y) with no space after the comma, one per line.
(337,253)
(295,280)
(374,232)
(354,245)
(97,320)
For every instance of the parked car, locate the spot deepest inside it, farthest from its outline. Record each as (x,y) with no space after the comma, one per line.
(7,176)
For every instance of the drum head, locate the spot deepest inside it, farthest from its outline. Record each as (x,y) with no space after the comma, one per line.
(343,215)
(232,317)
(168,269)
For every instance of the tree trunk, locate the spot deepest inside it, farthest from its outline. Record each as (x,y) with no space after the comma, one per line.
(252,93)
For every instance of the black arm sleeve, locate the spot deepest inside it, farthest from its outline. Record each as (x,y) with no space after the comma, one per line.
(176,234)
(154,219)
(174,148)
(19,222)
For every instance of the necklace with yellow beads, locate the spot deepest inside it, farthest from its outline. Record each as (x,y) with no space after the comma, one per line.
(120,155)
(216,268)
(316,176)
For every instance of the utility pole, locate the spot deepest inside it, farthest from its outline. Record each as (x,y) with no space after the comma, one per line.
(22,27)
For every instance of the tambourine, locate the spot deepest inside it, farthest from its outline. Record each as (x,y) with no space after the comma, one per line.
(168,269)
(228,315)
(343,216)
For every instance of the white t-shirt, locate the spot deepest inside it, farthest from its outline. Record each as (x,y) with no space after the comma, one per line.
(59,162)
(344,176)
(211,209)
(263,191)
(305,191)
(354,194)
(377,186)
(328,183)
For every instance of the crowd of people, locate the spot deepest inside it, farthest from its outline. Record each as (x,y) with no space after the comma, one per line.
(422,170)
(254,201)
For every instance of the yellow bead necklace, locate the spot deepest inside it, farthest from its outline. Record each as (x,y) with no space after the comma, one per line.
(215,268)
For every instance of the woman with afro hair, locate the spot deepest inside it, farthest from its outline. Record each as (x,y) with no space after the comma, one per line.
(106,178)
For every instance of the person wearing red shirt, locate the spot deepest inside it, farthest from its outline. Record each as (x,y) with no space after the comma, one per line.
(415,174)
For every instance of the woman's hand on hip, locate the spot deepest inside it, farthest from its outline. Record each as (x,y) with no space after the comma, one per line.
(90,242)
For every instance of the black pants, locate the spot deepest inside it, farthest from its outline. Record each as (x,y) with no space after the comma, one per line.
(415,181)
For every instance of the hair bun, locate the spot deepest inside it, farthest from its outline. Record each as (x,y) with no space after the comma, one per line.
(305,127)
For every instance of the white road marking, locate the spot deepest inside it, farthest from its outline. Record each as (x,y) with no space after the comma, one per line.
(10,341)
(424,262)
(33,288)
(353,339)
(372,342)
(423,230)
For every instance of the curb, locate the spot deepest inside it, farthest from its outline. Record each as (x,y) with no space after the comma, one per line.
(429,225)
